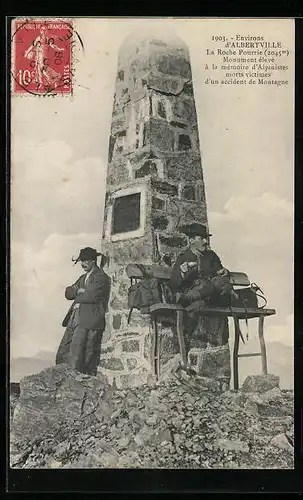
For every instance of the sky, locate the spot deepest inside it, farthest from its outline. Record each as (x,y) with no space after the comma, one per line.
(59,161)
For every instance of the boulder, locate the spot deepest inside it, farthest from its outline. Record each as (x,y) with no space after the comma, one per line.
(109,459)
(280,441)
(273,395)
(232,445)
(260,383)
(129,459)
(251,408)
(123,443)
(145,436)
(170,369)
(53,399)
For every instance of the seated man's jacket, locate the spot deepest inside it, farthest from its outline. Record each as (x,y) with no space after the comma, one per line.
(208,264)
(93,301)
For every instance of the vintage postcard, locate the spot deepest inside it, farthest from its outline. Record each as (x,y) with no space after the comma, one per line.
(152,167)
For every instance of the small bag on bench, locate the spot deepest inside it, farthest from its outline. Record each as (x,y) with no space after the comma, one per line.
(248,297)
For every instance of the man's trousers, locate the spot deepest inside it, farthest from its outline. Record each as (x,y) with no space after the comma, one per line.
(80,347)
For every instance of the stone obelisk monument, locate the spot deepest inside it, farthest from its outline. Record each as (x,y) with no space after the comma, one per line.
(154,186)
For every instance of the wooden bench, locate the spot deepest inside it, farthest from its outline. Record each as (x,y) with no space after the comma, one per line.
(167,308)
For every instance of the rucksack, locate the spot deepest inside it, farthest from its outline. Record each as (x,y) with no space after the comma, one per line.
(144,293)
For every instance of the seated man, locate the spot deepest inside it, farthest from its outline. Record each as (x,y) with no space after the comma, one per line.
(199,275)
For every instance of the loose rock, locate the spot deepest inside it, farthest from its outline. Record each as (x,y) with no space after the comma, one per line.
(64,420)
(260,383)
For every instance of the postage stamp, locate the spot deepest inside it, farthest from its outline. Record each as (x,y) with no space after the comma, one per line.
(42,57)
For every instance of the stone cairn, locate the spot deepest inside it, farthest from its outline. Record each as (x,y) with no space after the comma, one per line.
(154,186)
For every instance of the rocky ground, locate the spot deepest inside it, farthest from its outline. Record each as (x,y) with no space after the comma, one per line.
(63,419)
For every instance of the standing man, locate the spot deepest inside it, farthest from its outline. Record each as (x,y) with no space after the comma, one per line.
(85,321)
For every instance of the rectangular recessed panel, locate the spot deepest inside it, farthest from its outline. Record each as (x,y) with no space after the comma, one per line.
(126,213)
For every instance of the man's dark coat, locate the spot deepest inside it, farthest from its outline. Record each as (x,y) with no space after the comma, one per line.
(209,264)
(93,301)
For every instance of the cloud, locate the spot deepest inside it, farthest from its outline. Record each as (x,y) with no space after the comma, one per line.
(283,333)
(57,209)
(37,290)
(51,193)
(255,235)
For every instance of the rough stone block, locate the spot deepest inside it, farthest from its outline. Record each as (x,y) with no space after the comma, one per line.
(184,142)
(165,84)
(280,441)
(186,167)
(117,174)
(178,124)
(118,124)
(214,363)
(173,241)
(148,168)
(116,321)
(274,395)
(130,345)
(159,222)
(114,364)
(169,369)
(109,459)
(127,252)
(107,349)
(193,359)
(188,88)
(194,212)
(174,65)
(232,445)
(158,203)
(55,397)
(260,383)
(122,335)
(138,319)
(189,192)
(161,136)
(164,187)
(132,363)
(183,107)
(133,379)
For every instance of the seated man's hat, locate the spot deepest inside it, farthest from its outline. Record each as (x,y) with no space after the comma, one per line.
(195,229)
(87,253)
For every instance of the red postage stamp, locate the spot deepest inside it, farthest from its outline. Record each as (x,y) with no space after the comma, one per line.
(42,57)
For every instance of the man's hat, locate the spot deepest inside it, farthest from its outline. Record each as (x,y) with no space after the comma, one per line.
(195,229)
(87,253)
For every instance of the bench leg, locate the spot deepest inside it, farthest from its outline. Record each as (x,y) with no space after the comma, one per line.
(180,333)
(262,345)
(158,340)
(155,347)
(235,354)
